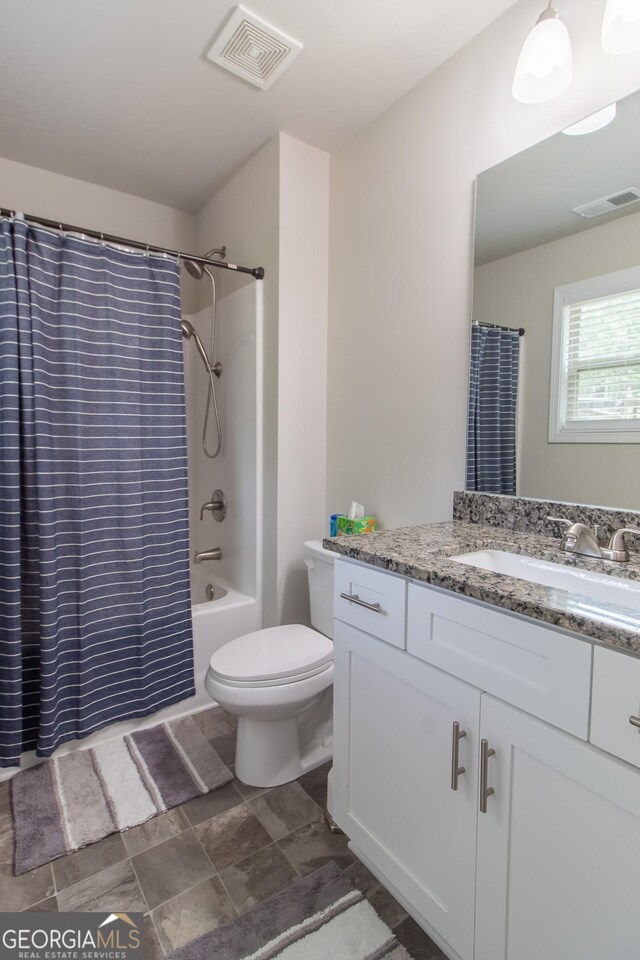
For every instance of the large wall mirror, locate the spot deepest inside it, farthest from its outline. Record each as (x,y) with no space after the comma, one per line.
(554,405)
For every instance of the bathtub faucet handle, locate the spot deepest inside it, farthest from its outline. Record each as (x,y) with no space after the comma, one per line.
(214,554)
(212,505)
(217,505)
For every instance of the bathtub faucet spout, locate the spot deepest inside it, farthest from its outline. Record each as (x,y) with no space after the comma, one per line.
(214,554)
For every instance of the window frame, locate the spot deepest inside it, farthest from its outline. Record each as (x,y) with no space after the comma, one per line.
(585,431)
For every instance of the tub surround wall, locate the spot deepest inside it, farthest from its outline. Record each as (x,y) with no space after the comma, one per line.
(244,215)
(527,515)
(234,470)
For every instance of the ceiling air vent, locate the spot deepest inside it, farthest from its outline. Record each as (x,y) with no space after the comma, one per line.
(253,49)
(597,208)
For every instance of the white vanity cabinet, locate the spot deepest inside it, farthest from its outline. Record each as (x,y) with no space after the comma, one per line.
(534,856)
(394,720)
(558,848)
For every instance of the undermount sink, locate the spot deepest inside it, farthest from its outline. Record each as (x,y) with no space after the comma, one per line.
(625,593)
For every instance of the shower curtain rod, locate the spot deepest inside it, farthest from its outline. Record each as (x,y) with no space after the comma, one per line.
(256,272)
(496,326)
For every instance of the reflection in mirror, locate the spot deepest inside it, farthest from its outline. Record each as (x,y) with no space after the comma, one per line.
(555,414)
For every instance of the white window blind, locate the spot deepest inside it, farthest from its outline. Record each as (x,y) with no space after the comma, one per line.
(602,359)
(595,393)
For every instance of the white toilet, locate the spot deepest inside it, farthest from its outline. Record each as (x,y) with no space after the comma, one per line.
(278,682)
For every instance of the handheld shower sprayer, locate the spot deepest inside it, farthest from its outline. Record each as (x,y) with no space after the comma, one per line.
(188,332)
(214,369)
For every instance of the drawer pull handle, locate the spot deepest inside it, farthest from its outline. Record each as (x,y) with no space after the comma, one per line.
(634,721)
(354,598)
(485,790)
(456,770)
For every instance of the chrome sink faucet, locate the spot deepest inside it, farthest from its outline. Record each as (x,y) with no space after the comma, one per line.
(578,538)
(581,540)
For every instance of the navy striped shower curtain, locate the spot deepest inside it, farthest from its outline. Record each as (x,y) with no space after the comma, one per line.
(493,397)
(95,611)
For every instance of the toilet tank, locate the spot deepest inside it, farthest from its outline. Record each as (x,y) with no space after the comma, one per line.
(319,564)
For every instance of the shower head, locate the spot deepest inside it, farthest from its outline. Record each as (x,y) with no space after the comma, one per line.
(197,270)
(188,332)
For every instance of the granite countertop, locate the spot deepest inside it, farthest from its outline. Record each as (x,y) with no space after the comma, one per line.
(423,553)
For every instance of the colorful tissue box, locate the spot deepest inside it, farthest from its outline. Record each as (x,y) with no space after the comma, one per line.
(346,527)
(333,525)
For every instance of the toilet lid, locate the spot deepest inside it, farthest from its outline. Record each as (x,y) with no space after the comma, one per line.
(277,653)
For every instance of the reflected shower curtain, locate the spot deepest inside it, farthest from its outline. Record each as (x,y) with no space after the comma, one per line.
(95,611)
(493,394)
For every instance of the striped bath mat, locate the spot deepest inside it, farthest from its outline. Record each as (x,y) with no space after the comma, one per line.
(322,917)
(66,803)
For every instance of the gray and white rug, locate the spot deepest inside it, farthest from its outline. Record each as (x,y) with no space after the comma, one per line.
(66,803)
(322,917)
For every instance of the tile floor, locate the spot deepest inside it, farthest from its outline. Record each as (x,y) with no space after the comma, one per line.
(197,866)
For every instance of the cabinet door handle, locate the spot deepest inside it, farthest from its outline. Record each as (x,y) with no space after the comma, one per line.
(634,721)
(456,770)
(485,791)
(354,598)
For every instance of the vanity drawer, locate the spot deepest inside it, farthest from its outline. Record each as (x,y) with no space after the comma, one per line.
(371,587)
(616,698)
(541,671)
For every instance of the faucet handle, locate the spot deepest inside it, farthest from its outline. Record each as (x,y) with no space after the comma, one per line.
(568,523)
(217,505)
(617,549)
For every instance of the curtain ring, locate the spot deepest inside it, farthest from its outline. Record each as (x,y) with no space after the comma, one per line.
(146,253)
(62,233)
(102,243)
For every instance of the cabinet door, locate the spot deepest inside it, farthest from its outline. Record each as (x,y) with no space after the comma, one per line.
(393,734)
(558,848)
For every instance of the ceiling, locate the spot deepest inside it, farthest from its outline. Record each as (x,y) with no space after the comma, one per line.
(527,200)
(118,92)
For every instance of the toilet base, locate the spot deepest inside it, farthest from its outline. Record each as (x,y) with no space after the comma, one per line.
(268,752)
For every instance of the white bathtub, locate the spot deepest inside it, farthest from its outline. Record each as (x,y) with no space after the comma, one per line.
(228,615)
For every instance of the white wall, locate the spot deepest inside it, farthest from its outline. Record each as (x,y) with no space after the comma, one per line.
(518,291)
(400,260)
(56,197)
(274,213)
(302,367)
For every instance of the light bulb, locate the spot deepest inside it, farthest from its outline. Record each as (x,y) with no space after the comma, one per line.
(545,66)
(595,122)
(621,26)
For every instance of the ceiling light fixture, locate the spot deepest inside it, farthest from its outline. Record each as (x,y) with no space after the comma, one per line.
(621,26)
(545,66)
(595,122)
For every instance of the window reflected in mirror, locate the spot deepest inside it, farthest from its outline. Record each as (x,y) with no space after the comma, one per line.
(555,414)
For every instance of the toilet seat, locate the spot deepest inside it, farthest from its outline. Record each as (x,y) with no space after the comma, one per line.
(274,656)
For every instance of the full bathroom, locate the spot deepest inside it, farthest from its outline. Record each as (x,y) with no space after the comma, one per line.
(319,459)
